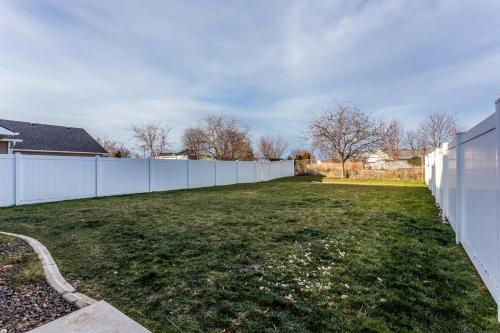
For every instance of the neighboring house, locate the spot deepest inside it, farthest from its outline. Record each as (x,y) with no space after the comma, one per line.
(382,160)
(380,155)
(169,155)
(8,139)
(40,139)
(181,155)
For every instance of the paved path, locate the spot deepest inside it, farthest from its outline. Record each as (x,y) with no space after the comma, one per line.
(99,317)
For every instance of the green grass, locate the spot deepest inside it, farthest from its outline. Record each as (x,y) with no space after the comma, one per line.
(291,255)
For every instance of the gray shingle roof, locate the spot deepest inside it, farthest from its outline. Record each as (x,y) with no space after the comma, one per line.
(52,138)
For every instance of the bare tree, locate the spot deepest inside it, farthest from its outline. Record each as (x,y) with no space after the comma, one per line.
(411,140)
(152,138)
(195,143)
(301,154)
(391,140)
(221,137)
(346,133)
(272,147)
(114,148)
(439,128)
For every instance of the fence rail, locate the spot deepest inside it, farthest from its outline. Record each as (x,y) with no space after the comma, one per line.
(28,179)
(464,177)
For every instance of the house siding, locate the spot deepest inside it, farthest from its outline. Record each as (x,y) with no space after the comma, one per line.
(4,147)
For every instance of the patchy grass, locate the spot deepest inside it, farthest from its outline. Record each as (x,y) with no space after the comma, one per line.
(28,268)
(290,255)
(381,182)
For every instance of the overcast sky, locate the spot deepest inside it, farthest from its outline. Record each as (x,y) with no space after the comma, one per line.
(104,65)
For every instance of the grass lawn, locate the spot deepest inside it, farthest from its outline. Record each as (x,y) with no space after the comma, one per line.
(291,255)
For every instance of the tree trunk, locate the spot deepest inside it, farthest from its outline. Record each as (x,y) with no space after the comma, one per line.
(343,169)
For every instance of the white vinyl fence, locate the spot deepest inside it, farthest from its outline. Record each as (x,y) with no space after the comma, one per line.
(27,179)
(464,177)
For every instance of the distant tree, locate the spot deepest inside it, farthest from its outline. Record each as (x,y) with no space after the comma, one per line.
(413,141)
(114,148)
(301,154)
(272,147)
(152,138)
(392,138)
(221,137)
(432,132)
(195,143)
(438,128)
(346,133)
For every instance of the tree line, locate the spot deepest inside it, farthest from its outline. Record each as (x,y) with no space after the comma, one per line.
(346,133)
(216,136)
(343,133)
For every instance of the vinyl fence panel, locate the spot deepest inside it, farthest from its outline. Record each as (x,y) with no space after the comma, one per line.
(438,175)
(464,177)
(480,235)
(169,175)
(246,172)
(287,168)
(7,176)
(226,173)
(259,172)
(28,179)
(122,176)
(450,195)
(201,174)
(52,178)
(266,171)
(275,170)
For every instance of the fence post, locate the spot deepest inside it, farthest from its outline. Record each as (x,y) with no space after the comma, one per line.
(459,216)
(254,171)
(97,175)
(215,172)
(187,173)
(444,181)
(150,166)
(434,183)
(497,129)
(236,171)
(18,178)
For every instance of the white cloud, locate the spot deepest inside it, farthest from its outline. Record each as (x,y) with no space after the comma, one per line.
(105,65)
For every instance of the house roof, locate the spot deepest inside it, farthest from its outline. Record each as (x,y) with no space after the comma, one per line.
(5,132)
(44,137)
(173,153)
(403,154)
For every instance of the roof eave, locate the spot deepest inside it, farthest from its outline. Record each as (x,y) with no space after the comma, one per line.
(58,151)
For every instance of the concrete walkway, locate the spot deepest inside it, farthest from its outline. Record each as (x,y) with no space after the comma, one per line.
(99,317)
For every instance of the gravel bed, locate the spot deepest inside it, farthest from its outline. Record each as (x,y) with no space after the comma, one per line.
(27,304)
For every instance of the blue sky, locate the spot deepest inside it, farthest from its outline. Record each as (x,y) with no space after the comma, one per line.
(104,65)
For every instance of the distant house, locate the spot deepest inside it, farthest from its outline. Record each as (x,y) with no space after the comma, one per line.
(170,155)
(182,155)
(379,159)
(380,155)
(40,139)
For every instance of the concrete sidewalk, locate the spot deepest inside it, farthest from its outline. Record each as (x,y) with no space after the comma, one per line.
(99,317)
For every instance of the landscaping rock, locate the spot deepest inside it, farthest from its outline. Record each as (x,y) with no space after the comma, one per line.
(25,305)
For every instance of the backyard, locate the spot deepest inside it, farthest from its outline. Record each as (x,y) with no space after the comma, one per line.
(291,255)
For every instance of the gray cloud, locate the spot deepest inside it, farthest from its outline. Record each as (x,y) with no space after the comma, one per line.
(104,65)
